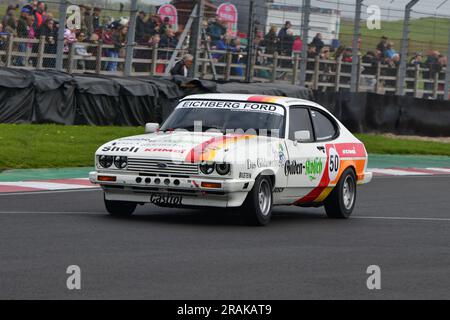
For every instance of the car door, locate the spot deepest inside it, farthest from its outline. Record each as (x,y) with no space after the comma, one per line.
(307,157)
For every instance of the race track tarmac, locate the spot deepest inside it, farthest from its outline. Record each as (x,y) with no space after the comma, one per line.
(401,224)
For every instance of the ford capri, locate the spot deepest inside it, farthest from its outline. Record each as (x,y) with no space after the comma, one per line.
(236,151)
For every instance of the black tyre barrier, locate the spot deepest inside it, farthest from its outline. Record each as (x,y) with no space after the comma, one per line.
(374,113)
(48,96)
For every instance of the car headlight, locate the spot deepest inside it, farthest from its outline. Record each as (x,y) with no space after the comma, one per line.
(207,168)
(105,161)
(120,162)
(223,168)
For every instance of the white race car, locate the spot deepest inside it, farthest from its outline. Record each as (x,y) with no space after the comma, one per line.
(236,151)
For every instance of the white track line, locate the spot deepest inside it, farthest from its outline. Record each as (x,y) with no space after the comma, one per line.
(440,169)
(26,193)
(45,185)
(53,212)
(352,217)
(395,172)
(401,218)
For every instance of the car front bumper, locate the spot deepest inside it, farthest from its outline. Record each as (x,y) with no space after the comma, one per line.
(188,191)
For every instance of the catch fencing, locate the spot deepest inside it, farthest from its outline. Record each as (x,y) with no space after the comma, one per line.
(343,63)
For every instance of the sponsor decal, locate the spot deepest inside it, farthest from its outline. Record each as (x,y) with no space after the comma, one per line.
(119,149)
(167,150)
(261,163)
(281,155)
(245,175)
(313,168)
(170,12)
(294,168)
(278,190)
(229,105)
(349,151)
(137,140)
(195,184)
(165,199)
(228,13)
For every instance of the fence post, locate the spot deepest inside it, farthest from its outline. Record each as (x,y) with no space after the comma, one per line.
(40,57)
(196,38)
(305,30)
(360,67)
(404,49)
(70,58)
(274,66)
(204,64)
(316,73)
(295,70)
(154,59)
(435,85)
(251,41)
(98,58)
(377,77)
(228,59)
(251,72)
(130,39)
(60,41)
(9,50)
(416,80)
(355,60)
(337,78)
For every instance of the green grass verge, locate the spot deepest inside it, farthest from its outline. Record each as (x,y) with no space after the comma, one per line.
(385,145)
(54,146)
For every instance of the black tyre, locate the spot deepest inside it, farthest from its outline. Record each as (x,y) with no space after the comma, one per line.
(341,201)
(120,209)
(257,208)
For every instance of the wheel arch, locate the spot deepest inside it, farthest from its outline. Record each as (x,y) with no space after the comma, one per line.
(269,173)
(351,166)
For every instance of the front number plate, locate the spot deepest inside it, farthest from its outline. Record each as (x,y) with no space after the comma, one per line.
(165,199)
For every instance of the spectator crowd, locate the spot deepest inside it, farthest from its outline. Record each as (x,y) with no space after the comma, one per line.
(34,21)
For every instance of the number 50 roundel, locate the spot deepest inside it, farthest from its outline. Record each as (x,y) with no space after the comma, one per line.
(333,164)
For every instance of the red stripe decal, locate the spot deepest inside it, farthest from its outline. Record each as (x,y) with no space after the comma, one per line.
(80,182)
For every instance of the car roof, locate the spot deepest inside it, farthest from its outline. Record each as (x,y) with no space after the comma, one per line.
(285,101)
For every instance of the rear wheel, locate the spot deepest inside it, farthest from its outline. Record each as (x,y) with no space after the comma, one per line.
(341,201)
(120,209)
(257,208)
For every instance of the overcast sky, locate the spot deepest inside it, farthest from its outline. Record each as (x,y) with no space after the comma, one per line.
(389,8)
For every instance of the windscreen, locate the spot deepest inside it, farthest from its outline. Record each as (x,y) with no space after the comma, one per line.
(227,116)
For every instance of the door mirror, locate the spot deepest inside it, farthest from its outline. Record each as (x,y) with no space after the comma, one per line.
(302,136)
(151,127)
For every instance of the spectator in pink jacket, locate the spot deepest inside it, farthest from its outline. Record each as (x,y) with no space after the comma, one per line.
(70,37)
(297,46)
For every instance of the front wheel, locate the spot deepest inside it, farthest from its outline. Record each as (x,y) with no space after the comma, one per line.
(120,209)
(257,208)
(341,201)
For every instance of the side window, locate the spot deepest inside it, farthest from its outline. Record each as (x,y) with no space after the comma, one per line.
(323,126)
(299,120)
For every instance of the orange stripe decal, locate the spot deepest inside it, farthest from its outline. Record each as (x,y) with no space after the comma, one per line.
(207,150)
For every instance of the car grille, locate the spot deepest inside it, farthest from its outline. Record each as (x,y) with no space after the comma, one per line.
(165,167)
